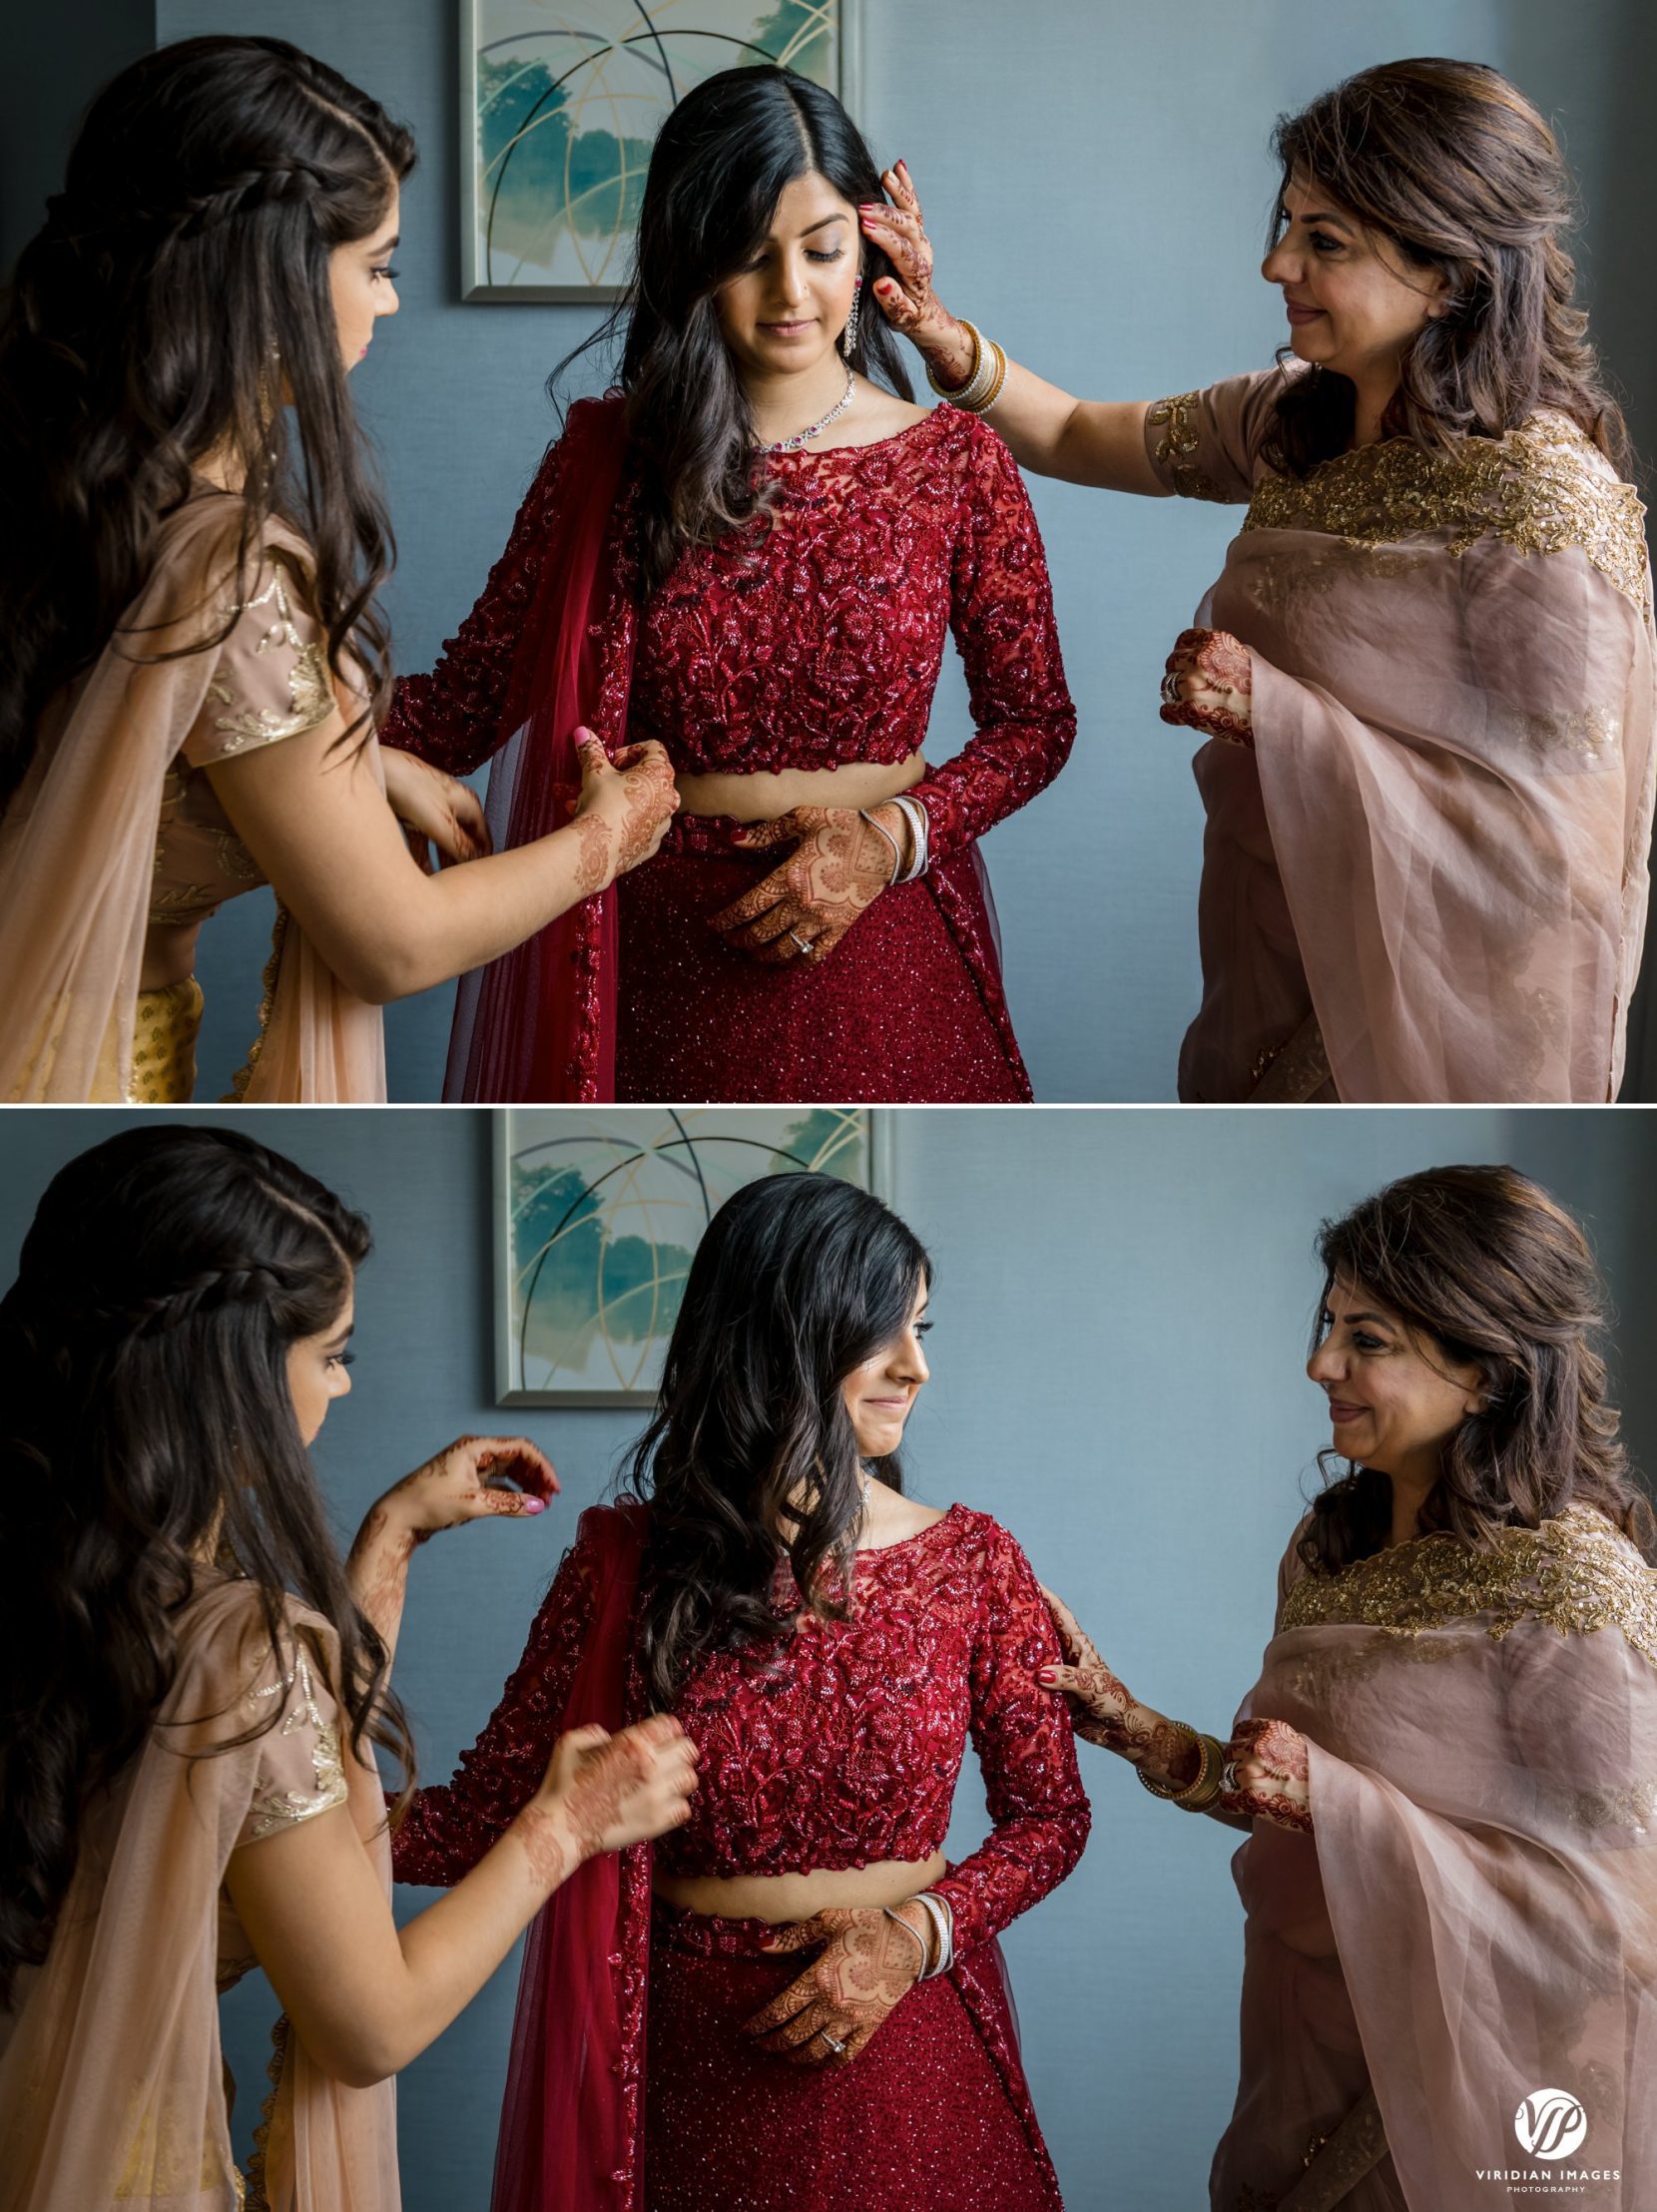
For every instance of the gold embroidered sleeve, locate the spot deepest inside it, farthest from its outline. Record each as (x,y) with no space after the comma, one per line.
(271,678)
(300,1770)
(1206,445)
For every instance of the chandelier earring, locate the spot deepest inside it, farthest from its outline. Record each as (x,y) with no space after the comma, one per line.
(848,336)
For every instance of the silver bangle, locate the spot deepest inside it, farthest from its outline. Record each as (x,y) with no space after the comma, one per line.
(892,1914)
(864,815)
(944,1922)
(920,827)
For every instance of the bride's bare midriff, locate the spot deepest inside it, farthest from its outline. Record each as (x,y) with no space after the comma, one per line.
(780,1897)
(761,796)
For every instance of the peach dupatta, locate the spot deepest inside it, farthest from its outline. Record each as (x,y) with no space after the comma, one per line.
(1428,881)
(77,858)
(112,2083)
(1474,1924)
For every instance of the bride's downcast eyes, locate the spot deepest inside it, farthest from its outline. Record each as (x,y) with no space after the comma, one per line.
(386,271)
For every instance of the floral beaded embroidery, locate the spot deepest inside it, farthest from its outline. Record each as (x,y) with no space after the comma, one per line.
(1576,1574)
(279,1809)
(1181,439)
(1543,488)
(310,698)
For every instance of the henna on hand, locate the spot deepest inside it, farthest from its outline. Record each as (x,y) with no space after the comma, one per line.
(907,297)
(1272,1767)
(1211,675)
(837,872)
(1104,1710)
(621,811)
(650,802)
(462,1482)
(866,1966)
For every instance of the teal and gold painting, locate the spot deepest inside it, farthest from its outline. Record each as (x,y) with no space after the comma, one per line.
(561,101)
(597,1213)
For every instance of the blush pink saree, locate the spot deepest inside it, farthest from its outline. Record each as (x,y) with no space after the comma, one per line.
(1474,1925)
(1427,879)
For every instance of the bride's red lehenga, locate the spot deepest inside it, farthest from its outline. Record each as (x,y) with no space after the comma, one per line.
(805,642)
(632,2084)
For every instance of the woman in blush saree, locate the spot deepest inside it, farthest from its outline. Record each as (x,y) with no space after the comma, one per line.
(1426,674)
(752,553)
(806,2005)
(1447,1770)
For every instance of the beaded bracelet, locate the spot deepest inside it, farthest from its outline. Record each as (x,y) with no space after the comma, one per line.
(982,388)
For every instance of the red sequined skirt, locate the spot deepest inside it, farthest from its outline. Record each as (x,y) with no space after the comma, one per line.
(935,2116)
(907,1008)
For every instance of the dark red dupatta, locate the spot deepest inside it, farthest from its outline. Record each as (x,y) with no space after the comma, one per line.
(539,1024)
(571,2133)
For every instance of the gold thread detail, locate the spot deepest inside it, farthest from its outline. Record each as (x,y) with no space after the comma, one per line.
(1544,488)
(1576,1574)
(1181,439)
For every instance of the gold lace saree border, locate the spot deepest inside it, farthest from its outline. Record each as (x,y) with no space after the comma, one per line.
(1544,488)
(1576,1574)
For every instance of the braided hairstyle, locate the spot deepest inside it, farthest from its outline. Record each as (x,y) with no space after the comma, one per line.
(178,292)
(1485,1269)
(147,1429)
(1455,168)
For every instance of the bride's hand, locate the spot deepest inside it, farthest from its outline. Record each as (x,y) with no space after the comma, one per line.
(826,2015)
(905,297)
(436,807)
(802,909)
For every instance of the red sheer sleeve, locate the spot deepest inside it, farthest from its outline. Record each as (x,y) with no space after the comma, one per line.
(1002,614)
(456,717)
(448,1828)
(1027,1750)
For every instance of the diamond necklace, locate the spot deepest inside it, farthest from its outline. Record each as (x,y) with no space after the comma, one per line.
(805,437)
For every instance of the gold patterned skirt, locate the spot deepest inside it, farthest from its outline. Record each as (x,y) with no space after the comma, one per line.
(165,1029)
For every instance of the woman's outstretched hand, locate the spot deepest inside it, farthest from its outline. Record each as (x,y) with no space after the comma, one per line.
(907,297)
(1106,1712)
(435,808)
(827,2017)
(1269,1763)
(475,1479)
(799,912)
(1209,686)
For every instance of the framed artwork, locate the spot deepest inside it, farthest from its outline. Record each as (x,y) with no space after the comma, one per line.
(597,1215)
(560,103)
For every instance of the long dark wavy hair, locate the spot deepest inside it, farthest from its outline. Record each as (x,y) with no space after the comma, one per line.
(798,1279)
(179,286)
(146,1426)
(1485,1269)
(1455,166)
(720,165)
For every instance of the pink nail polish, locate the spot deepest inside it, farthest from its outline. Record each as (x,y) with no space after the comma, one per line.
(535,1504)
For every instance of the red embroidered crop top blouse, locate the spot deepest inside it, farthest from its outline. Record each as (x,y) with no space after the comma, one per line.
(839,1748)
(814,637)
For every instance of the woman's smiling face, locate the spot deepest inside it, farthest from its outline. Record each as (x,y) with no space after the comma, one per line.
(1354,303)
(879,1393)
(781,314)
(1393,1401)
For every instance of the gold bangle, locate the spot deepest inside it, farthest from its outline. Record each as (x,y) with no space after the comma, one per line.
(1196,1795)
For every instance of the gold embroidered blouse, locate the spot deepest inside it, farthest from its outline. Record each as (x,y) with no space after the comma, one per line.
(1543,488)
(271,682)
(1576,1574)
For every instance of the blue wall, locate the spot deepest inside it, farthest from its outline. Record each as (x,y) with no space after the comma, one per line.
(1122,1303)
(1096,180)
